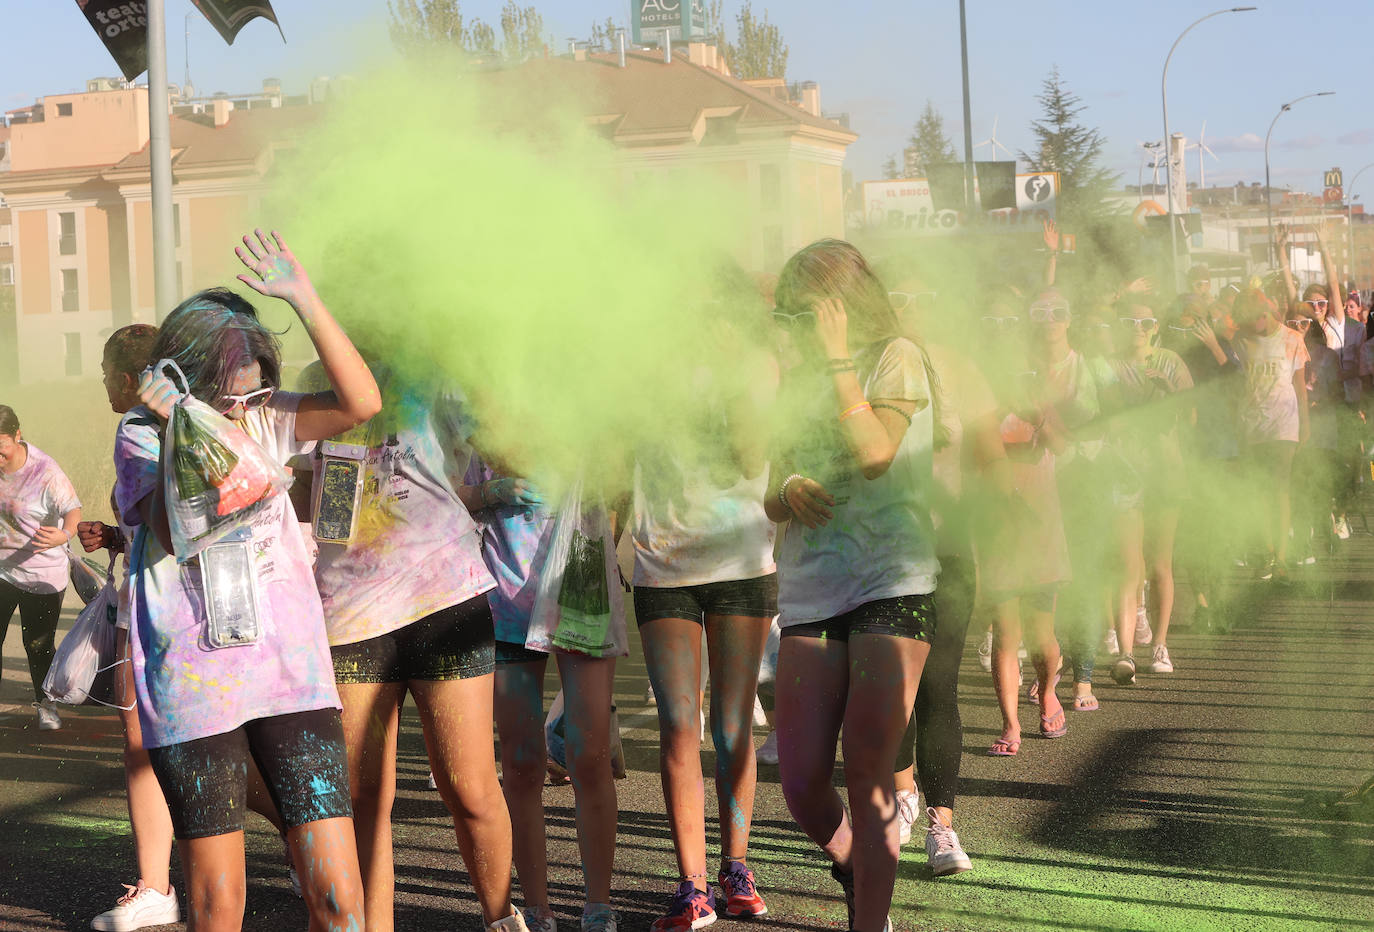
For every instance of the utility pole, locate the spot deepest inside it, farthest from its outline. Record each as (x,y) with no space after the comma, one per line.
(166,289)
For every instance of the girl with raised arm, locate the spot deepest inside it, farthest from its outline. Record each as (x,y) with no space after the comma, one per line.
(205,711)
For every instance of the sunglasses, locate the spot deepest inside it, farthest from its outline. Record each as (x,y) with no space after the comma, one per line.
(916,300)
(1002,323)
(784,319)
(254,399)
(1049,313)
(1319,304)
(1299,324)
(1147,324)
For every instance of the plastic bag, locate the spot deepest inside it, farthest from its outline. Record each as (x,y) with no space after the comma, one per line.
(85,667)
(215,475)
(86,575)
(579,605)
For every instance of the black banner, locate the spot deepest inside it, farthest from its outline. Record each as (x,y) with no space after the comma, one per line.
(229,16)
(123,27)
(947,190)
(996,185)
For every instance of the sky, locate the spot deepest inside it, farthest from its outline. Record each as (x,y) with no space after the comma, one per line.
(880,61)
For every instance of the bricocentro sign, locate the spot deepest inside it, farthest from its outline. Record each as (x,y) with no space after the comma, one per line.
(905,207)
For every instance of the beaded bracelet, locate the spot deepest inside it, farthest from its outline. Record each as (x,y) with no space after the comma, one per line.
(782,489)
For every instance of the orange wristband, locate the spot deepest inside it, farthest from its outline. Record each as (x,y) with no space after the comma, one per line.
(855,409)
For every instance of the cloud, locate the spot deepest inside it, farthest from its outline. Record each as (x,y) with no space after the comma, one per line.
(1249,142)
(1311,141)
(1361,137)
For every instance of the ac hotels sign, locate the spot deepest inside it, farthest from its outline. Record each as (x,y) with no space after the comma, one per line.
(684,19)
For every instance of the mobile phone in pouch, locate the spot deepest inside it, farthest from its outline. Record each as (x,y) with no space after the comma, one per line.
(338,492)
(231,593)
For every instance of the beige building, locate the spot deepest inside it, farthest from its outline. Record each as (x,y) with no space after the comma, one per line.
(78,190)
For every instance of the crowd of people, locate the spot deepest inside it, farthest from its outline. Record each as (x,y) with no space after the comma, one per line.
(890,463)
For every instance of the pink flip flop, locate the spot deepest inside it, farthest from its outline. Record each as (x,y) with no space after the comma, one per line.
(1005,747)
(1053,726)
(1086,703)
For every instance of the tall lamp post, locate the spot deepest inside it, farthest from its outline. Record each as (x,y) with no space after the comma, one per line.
(1268,201)
(1168,169)
(1350,215)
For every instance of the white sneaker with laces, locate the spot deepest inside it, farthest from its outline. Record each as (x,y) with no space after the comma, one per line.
(943,851)
(768,751)
(1113,647)
(1159,660)
(540,920)
(908,811)
(1143,634)
(649,697)
(48,719)
(140,906)
(985,652)
(599,918)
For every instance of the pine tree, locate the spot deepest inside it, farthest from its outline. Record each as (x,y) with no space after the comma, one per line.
(890,169)
(1066,146)
(928,144)
(760,51)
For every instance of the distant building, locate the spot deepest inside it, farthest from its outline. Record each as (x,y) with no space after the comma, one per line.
(77,180)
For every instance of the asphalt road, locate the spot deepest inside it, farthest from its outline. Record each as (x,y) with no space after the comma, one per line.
(1197,800)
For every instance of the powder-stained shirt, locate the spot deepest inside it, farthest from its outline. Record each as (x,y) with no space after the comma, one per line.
(880,543)
(515,539)
(1269,407)
(185,689)
(416,550)
(36,495)
(697,519)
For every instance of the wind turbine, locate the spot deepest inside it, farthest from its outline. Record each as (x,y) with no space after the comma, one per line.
(993,143)
(1201,147)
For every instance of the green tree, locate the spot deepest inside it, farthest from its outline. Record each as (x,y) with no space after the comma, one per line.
(928,145)
(603,35)
(890,169)
(1065,145)
(759,50)
(419,24)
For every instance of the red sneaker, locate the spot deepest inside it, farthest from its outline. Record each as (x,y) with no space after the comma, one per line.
(742,899)
(689,908)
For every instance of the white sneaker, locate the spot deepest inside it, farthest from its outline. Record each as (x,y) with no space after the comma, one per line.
(512,923)
(1143,634)
(1111,645)
(140,906)
(985,652)
(768,751)
(908,811)
(48,719)
(599,918)
(540,921)
(1159,660)
(943,851)
(649,697)
(1021,651)
(760,716)
(1341,527)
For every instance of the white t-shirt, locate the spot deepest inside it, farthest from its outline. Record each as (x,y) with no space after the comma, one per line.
(1269,408)
(37,495)
(416,549)
(185,689)
(880,544)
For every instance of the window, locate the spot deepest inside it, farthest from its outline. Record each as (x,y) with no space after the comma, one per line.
(71,297)
(66,236)
(770,187)
(6,234)
(64,109)
(6,274)
(73,355)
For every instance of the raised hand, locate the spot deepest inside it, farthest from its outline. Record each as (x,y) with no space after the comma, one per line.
(1051,235)
(832,327)
(275,271)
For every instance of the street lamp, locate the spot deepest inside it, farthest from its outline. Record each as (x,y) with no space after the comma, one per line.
(1350,215)
(1168,170)
(1268,201)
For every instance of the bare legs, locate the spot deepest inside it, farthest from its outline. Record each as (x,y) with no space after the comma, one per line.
(867,687)
(520,724)
(148,815)
(587,688)
(672,652)
(1037,613)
